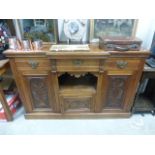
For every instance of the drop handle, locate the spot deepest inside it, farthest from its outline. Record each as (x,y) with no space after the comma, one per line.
(122,64)
(119,48)
(33,64)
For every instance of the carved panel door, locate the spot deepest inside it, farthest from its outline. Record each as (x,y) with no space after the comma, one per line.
(120,88)
(38,90)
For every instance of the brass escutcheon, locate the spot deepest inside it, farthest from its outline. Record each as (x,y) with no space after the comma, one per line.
(122,64)
(77,62)
(33,64)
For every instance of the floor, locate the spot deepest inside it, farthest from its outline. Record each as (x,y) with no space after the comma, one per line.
(136,125)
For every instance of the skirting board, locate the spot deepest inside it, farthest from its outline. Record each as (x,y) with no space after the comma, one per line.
(76,116)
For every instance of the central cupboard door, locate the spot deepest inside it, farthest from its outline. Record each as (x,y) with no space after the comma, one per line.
(39,92)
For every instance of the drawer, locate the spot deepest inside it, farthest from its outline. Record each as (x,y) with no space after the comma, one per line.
(122,64)
(76,104)
(78,65)
(32,63)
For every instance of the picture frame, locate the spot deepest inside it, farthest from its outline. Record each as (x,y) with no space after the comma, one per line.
(152,49)
(34,29)
(72,31)
(112,27)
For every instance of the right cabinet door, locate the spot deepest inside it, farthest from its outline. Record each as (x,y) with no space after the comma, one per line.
(119,90)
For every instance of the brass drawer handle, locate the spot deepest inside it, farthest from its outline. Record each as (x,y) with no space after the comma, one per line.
(122,64)
(33,64)
(77,62)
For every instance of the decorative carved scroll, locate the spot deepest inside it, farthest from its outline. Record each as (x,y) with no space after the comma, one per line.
(76,104)
(77,75)
(53,67)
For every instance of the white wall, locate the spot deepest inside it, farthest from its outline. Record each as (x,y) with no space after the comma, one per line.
(145,31)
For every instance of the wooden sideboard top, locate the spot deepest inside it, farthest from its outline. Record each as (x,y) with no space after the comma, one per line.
(94,52)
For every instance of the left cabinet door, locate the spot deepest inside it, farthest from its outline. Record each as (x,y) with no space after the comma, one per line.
(38,92)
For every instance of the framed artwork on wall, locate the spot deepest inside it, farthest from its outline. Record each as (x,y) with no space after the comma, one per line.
(73,30)
(34,29)
(153,45)
(112,27)
(151,60)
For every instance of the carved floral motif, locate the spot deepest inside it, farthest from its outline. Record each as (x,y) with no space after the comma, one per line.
(39,91)
(74,104)
(115,94)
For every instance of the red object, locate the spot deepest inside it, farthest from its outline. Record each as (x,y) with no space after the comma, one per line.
(13,102)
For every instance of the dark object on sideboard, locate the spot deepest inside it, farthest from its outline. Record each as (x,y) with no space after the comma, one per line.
(120,43)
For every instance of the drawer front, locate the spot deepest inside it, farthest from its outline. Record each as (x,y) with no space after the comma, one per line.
(76,104)
(122,64)
(77,65)
(32,63)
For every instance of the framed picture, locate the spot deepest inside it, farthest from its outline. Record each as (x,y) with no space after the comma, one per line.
(153,45)
(73,31)
(112,27)
(44,29)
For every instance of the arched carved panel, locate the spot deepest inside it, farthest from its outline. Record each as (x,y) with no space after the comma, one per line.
(116,91)
(39,91)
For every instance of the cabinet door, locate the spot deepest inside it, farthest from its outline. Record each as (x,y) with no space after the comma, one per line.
(120,88)
(38,90)
(77,104)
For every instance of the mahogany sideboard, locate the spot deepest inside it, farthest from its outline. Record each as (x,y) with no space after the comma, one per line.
(92,84)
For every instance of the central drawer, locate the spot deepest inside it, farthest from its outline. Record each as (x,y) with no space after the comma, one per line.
(77,65)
